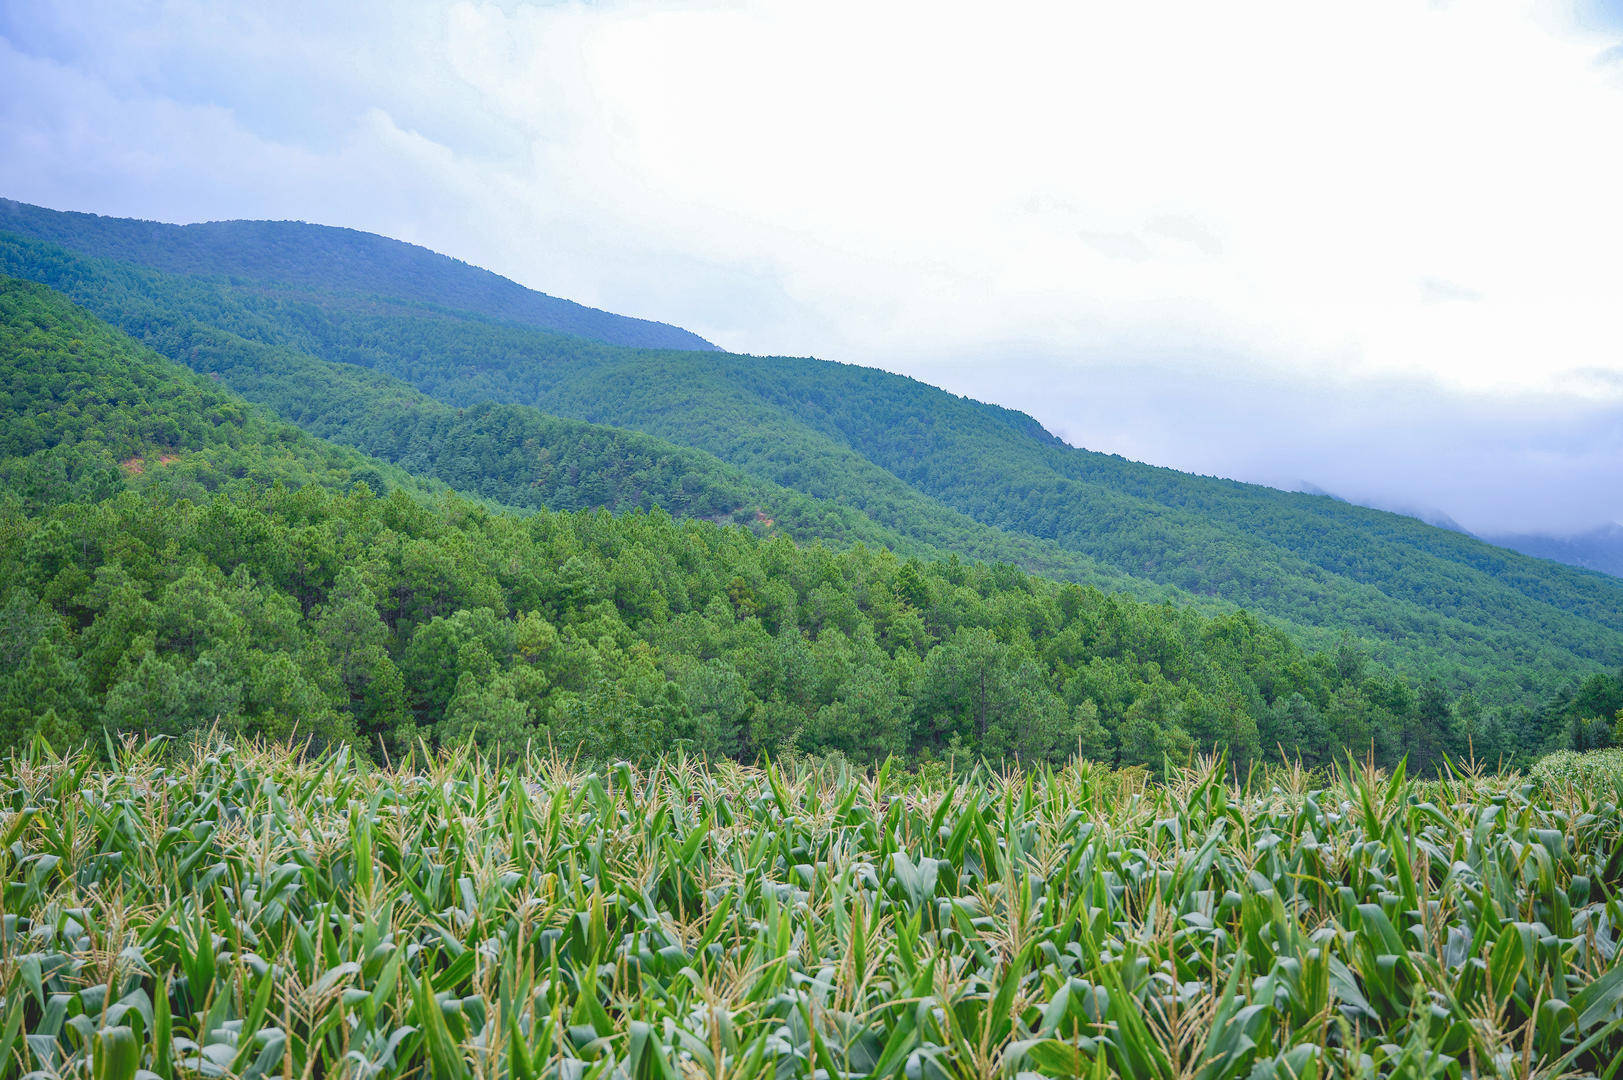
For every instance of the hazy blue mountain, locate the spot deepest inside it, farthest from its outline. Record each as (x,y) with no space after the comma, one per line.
(1598,549)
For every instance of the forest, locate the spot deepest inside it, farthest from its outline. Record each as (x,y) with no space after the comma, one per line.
(175,560)
(826,452)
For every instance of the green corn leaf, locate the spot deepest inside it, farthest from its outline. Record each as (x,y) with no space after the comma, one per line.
(117,1053)
(445,1057)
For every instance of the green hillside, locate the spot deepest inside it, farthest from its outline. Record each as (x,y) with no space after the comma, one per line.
(523,458)
(926,465)
(191,563)
(89,413)
(212,326)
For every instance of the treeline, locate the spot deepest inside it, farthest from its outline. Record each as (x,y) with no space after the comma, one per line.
(352,618)
(1585,716)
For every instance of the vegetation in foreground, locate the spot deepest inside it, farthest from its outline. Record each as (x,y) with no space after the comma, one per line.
(1569,768)
(252,912)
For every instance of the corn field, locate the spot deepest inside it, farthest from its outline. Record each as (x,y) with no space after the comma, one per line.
(254,912)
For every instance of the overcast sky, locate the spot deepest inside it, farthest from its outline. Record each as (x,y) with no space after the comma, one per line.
(1374,247)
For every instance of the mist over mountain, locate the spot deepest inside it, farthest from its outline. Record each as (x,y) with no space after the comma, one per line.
(1427,514)
(1598,549)
(1494,462)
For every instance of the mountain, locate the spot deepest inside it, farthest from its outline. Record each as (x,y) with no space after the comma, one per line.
(1598,549)
(514,454)
(176,561)
(938,470)
(294,255)
(217,327)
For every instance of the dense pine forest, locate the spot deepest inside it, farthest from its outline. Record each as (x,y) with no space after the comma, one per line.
(176,560)
(407,356)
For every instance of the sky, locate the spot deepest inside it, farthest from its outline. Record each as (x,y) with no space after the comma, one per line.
(1374,249)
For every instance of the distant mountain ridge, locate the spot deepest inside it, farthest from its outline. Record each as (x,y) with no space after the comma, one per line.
(327,257)
(958,475)
(1597,549)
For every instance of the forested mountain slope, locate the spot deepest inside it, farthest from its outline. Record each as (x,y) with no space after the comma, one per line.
(86,413)
(219,568)
(292,253)
(515,454)
(905,453)
(212,326)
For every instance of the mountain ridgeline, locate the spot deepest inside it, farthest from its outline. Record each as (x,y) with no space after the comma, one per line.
(465,380)
(326,260)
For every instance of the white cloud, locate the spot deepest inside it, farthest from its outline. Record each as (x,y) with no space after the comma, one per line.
(947,173)
(1015,199)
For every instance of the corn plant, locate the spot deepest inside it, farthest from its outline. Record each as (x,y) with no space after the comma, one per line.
(254,912)
(1566,768)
